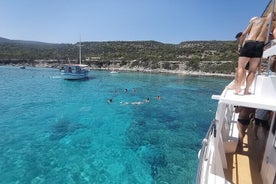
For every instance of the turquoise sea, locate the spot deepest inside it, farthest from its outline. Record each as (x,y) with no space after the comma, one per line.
(65,132)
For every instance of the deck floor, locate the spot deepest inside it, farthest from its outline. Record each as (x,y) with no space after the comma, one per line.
(244,166)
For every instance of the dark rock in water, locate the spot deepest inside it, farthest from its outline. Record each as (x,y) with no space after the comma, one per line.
(141,123)
(154,156)
(167,118)
(159,160)
(154,171)
(134,135)
(173,125)
(63,128)
(59,130)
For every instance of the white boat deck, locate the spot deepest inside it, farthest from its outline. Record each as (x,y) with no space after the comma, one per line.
(222,158)
(263,97)
(244,164)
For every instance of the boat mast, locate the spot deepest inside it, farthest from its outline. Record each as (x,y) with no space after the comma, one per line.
(80,52)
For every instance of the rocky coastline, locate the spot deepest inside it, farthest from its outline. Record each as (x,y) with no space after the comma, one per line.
(177,72)
(176,67)
(134,69)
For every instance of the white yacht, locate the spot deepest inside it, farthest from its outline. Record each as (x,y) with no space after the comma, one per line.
(221,159)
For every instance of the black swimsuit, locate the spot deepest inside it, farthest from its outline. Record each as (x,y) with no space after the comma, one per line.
(252,49)
(244,121)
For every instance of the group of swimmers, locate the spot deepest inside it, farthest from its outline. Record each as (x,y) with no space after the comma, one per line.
(136,103)
(147,100)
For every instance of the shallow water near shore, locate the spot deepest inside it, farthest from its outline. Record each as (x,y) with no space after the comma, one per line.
(58,131)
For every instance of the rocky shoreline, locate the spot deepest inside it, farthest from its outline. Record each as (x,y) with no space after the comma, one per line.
(202,68)
(177,72)
(139,69)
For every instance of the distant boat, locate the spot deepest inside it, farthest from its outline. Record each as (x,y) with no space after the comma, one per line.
(22,67)
(75,71)
(114,72)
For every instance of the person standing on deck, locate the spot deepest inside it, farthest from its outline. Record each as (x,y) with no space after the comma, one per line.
(252,45)
(232,86)
(261,117)
(245,115)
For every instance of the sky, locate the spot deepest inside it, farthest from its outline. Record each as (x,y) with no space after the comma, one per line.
(166,21)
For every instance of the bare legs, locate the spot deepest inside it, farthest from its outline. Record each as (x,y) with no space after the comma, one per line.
(253,65)
(240,73)
(233,85)
(242,129)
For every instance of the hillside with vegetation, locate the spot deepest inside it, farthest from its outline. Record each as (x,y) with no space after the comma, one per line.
(204,56)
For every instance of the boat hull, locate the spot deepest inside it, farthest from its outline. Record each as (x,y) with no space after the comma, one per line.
(74,76)
(74,72)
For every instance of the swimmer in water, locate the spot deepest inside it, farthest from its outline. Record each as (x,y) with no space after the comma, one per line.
(135,103)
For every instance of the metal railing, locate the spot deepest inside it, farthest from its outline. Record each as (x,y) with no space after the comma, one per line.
(212,131)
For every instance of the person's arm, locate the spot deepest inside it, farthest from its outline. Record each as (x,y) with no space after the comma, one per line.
(252,114)
(274,33)
(244,34)
(241,42)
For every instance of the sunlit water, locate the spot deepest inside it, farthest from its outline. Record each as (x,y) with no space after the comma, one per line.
(58,131)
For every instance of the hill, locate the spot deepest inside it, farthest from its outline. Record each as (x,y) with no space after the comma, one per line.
(206,56)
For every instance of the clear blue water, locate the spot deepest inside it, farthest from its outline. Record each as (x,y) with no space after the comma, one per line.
(58,131)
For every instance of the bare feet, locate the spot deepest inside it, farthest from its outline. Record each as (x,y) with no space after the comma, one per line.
(237,91)
(246,92)
(231,87)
